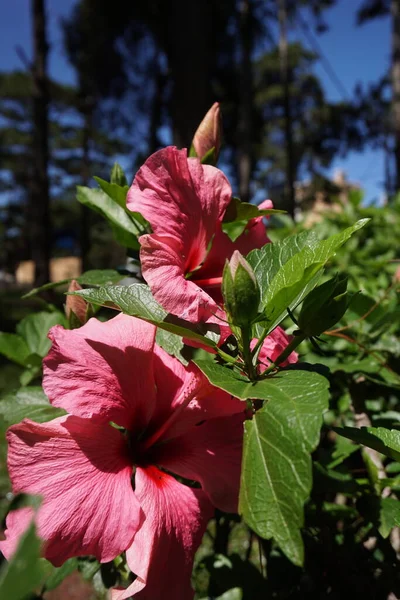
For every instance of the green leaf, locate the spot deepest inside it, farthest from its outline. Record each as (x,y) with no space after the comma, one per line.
(234,229)
(92,277)
(238,214)
(136,300)
(88,567)
(118,175)
(276,477)
(124,228)
(14,348)
(192,152)
(28,403)
(58,575)
(114,191)
(267,261)
(26,571)
(238,211)
(287,287)
(389,515)
(385,441)
(171,343)
(290,269)
(100,277)
(276,467)
(35,327)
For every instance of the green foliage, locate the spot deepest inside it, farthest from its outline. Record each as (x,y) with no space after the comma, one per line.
(381,439)
(294,271)
(30,343)
(92,277)
(26,571)
(276,470)
(324,306)
(277,445)
(58,575)
(27,403)
(14,347)
(124,227)
(34,329)
(118,176)
(238,214)
(136,300)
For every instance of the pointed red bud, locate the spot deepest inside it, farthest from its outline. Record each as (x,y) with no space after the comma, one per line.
(209,133)
(75,305)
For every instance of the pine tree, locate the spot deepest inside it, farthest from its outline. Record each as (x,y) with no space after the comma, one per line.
(65,153)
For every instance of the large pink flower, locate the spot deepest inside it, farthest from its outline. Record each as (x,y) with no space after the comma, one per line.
(104,471)
(185,202)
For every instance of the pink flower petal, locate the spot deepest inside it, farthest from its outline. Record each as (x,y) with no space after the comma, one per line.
(184,201)
(17,522)
(272,347)
(164,271)
(254,236)
(181,198)
(103,370)
(184,398)
(210,453)
(83,472)
(162,552)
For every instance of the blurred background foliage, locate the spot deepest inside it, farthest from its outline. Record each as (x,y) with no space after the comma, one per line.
(147,72)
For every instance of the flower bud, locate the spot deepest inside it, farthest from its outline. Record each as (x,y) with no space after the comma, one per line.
(207,139)
(75,306)
(118,175)
(240,291)
(324,306)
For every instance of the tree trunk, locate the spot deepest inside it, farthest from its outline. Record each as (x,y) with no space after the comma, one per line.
(245,124)
(289,195)
(87,112)
(40,231)
(189,48)
(156,107)
(395,10)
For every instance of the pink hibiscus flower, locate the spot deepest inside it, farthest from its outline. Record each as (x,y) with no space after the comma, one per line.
(104,471)
(185,202)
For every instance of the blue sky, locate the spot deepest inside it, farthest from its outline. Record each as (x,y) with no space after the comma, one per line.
(357,54)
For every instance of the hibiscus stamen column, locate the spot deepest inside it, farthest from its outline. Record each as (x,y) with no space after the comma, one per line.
(183,401)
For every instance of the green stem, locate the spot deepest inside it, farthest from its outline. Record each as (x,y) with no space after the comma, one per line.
(296,341)
(260,341)
(227,357)
(247,355)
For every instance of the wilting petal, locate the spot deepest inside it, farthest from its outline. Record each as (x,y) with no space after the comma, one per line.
(83,472)
(272,347)
(210,453)
(103,370)
(162,552)
(17,522)
(164,270)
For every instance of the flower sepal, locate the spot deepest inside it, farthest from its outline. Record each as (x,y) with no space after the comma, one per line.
(240,291)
